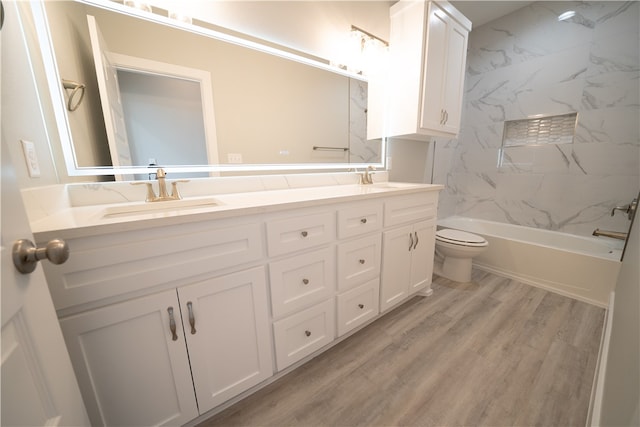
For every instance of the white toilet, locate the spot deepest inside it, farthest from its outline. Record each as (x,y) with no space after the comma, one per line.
(455,250)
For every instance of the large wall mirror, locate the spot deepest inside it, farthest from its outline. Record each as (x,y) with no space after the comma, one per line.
(194,100)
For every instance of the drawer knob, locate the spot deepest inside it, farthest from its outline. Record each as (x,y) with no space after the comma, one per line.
(363,220)
(305,281)
(361,306)
(362,261)
(304,234)
(307,333)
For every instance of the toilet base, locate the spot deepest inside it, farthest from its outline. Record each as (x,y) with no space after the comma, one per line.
(456,269)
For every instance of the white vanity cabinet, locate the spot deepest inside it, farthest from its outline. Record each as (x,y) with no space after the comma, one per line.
(427,60)
(135,360)
(165,321)
(407,249)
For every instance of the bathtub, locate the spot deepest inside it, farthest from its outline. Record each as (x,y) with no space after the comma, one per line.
(584,268)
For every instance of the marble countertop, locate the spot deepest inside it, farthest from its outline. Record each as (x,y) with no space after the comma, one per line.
(67,221)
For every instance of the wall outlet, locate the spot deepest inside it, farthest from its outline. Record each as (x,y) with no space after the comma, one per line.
(30,156)
(234,157)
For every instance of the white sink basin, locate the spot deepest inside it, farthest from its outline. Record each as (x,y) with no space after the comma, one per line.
(159,207)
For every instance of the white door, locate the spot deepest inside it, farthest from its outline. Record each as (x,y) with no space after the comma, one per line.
(38,386)
(109,89)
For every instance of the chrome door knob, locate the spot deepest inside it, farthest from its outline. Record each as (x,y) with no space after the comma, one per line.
(26,255)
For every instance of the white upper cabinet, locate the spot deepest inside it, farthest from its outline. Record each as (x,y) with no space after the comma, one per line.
(421,95)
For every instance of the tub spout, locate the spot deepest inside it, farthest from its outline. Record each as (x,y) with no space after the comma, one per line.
(614,234)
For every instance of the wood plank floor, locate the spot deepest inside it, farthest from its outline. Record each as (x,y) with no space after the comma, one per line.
(494,352)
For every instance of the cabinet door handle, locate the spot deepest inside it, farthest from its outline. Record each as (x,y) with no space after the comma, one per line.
(416,244)
(446,117)
(307,333)
(441,116)
(172,324)
(410,241)
(363,220)
(192,319)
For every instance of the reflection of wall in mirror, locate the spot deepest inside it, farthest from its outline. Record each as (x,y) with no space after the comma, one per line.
(70,36)
(258,105)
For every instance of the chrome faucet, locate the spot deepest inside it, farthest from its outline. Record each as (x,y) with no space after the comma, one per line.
(163,194)
(614,234)
(366,176)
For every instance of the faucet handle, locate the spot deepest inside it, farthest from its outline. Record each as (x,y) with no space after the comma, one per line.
(175,194)
(151,195)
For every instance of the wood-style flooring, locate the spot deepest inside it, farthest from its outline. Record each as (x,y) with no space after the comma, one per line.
(494,352)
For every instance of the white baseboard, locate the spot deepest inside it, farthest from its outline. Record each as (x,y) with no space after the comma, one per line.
(597,390)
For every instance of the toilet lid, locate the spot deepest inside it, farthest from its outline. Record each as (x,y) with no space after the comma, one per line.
(460,237)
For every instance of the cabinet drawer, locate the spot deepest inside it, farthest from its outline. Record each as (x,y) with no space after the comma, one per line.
(110,265)
(400,210)
(361,219)
(359,261)
(301,281)
(358,305)
(300,232)
(303,333)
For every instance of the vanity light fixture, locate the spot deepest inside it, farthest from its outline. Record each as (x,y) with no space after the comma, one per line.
(566,15)
(363,52)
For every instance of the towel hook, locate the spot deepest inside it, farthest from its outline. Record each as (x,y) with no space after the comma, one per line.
(76,88)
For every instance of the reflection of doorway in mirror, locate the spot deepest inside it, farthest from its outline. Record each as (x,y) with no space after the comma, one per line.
(361,150)
(167,116)
(163,117)
(169,113)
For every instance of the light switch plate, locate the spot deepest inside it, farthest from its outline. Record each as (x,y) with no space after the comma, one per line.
(30,156)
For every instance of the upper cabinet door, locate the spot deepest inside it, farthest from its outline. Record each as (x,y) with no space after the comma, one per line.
(457,38)
(435,70)
(446,54)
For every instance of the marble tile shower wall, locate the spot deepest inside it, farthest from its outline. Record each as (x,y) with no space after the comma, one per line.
(530,63)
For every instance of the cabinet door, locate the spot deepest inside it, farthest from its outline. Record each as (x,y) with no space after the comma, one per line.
(435,69)
(422,255)
(396,266)
(443,79)
(131,368)
(226,325)
(453,88)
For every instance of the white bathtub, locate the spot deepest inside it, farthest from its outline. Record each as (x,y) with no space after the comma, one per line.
(584,268)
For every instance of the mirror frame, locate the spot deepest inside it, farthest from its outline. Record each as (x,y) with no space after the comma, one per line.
(56,93)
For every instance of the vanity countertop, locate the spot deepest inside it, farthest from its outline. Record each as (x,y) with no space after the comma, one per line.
(118,217)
